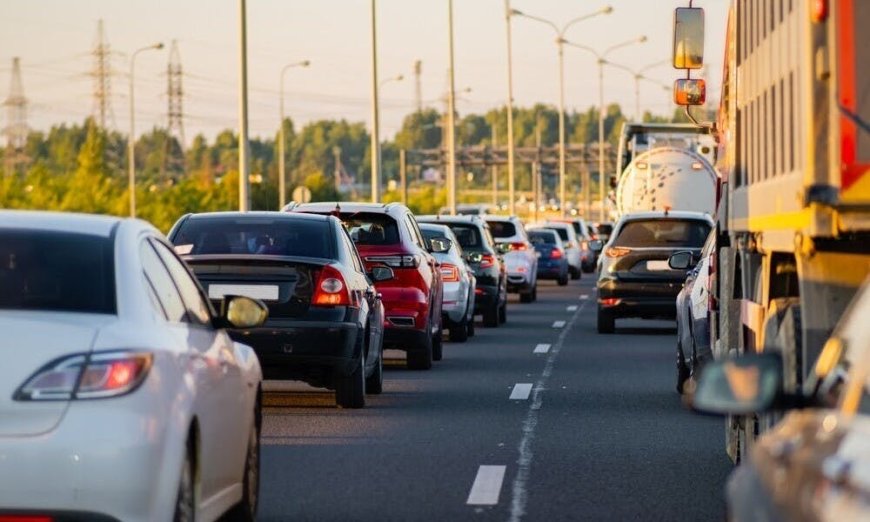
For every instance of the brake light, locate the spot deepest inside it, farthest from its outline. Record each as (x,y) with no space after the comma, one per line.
(556,253)
(617,251)
(87,376)
(819,11)
(609,301)
(449,273)
(331,289)
(518,246)
(25,518)
(403,261)
(487,261)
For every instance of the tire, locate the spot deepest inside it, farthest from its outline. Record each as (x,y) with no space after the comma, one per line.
(682,369)
(185,501)
(606,322)
(563,280)
(490,317)
(469,327)
(459,332)
(350,390)
(246,510)
(535,292)
(575,273)
(438,346)
(527,297)
(421,357)
(502,314)
(375,381)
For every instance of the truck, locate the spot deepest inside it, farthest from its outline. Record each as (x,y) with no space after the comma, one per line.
(667,178)
(793,220)
(636,138)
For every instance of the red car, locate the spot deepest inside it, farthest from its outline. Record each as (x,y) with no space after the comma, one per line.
(387,234)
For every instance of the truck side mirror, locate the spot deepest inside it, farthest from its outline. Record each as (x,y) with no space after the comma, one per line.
(688,38)
(690,92)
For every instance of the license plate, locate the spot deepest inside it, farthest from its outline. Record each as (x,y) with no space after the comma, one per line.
(657,265)
(265,292)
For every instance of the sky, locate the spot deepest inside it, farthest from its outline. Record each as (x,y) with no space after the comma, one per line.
(54,39)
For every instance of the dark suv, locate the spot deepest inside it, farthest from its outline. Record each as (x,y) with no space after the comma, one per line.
(387,234)
(635,279)
(483,258)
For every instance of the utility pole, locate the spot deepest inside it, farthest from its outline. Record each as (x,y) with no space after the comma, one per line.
(16,117)
(510,111)
(101,74)
(131,139)
(494,166)
(451,121)
(418,86)
(403,175)
(244,161)
(376,124)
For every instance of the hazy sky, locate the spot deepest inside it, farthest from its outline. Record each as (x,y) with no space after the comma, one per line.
(54,38)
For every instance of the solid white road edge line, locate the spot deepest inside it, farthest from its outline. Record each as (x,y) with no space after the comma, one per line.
(524,461)
(487,486)
(542,348)
(521,391)
(572,308)
(558,324)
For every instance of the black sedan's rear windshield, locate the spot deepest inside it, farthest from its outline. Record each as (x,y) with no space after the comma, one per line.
(667,233)
(502,229)
(469,237)
(56,271)
(284,236)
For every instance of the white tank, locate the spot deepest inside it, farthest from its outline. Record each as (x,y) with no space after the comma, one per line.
(678,179)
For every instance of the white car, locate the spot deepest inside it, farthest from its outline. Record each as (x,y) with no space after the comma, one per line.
(457,307)
(121,395)
(520,257)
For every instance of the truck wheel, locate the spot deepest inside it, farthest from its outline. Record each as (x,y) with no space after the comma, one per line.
(606,322)
(420,358)
(350,390)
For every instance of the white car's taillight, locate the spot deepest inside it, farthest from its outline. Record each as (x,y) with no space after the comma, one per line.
(87,376)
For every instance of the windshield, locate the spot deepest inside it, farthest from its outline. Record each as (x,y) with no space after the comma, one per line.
(540,236)
(502,229)
(371,228)
(563,232)
(283,236)
(468,236)
(56,271)
(689,233)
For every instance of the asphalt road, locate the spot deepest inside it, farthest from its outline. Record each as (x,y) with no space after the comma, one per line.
(594,431)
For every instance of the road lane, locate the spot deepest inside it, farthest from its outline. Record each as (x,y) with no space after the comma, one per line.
(415,452)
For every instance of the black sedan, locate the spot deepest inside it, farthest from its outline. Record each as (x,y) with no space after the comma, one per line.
(636,279)
(325,323)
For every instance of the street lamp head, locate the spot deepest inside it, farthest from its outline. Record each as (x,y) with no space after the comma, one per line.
(400,77)
(642,39)
(607,9)
(516,12)
(305,63)
(158,45)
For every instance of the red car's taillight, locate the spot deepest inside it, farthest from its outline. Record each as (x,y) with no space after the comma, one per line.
(449,273)
(403,261)
(87,376)
(487,261)
(331,289)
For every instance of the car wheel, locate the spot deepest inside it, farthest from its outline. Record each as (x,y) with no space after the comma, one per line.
(563,280)
(526,297)
(438,346)
(375,381)
(185,501)
(575,273)
(350,390)
(469,326)
(535,292)
(682,369)
(502,314)
(490,316)
(459,332)
(420,358)
(606,322)
(246,510)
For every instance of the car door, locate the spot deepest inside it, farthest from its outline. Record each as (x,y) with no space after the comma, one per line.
(371,310)
(220,387)
(430,272)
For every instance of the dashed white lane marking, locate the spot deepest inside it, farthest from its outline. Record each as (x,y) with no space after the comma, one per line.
(584,296)
(572,308)
(521,391)
(542,348)
(558,324)
(519,490)
(487,486)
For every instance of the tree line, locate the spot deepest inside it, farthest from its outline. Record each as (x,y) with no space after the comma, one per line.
(83,168)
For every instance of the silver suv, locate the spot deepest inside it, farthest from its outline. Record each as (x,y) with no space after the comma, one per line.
(521,259)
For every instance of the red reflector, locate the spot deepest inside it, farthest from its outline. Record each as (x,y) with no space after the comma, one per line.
(609,301)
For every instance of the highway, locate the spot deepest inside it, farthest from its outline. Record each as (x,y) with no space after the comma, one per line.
(539,419)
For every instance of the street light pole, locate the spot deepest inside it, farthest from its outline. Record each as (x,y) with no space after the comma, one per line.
(560,40)
(131,141)
(282,177)
(375,136)
(244,161)
(451,122)
(510,111)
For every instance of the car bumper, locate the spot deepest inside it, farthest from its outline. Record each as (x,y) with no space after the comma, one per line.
(644,299)
(290,349)
(485,297)
(454,306)
(551,269)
